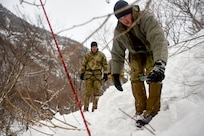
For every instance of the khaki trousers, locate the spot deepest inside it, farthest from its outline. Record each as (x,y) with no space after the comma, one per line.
(148,105)
(141,64)
(92,87)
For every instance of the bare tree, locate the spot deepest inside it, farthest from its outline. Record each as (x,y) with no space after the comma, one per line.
(191,14)
(179,18)
(33,84)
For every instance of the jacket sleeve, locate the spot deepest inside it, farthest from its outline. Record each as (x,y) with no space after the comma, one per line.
(155,36)
(105,65)
(84,63)
(118,56)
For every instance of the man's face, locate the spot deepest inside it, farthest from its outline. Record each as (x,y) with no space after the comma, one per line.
(126,20)
(94,49)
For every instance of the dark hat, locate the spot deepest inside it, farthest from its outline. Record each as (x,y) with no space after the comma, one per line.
(119,5)
(93,44)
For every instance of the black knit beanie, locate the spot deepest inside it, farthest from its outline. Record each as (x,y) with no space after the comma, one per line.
(93,44)
(119,5)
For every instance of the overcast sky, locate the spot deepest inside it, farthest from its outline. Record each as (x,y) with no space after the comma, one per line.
(66,13)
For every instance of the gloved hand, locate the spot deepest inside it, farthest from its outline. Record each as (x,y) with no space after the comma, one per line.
(105,77)
(157,73)
(82,76)
(117,82)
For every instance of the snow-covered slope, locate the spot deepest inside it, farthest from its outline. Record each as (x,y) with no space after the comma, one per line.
(182,112)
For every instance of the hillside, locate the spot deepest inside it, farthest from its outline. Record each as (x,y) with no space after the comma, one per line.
(33,83)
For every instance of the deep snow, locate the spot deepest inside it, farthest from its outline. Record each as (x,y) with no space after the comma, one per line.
(182,112)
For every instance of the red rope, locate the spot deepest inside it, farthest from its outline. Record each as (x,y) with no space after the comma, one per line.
(65,68)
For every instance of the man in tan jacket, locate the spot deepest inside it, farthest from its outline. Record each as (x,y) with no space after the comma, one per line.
(140,33)
(93,66)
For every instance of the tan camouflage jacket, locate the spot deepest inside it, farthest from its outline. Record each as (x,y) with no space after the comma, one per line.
(94,64)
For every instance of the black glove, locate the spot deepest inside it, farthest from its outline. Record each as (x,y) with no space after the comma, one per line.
(82,76)
(157,73)
(105,77)
(117,82)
